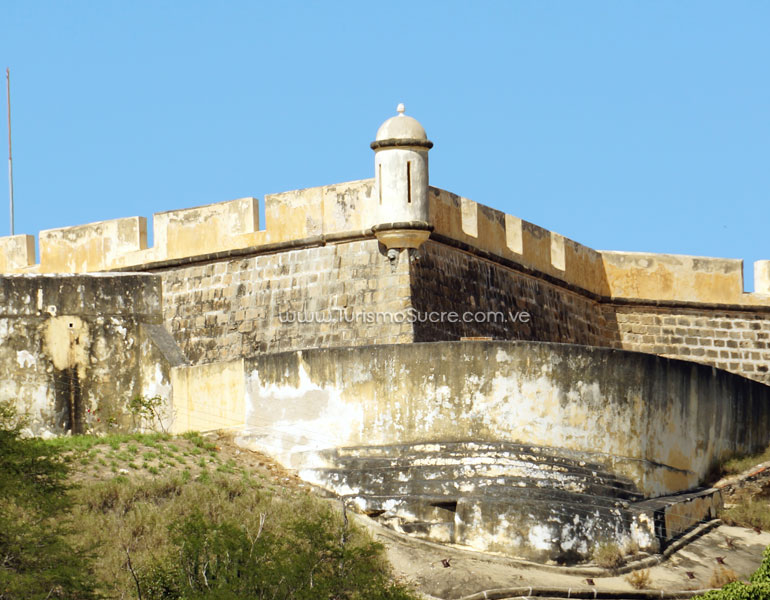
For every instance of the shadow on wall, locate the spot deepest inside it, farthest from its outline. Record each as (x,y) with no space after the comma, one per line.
(499,302)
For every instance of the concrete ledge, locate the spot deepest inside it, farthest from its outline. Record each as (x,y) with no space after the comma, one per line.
(635,563)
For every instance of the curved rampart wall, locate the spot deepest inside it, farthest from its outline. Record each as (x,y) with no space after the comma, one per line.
(662,422)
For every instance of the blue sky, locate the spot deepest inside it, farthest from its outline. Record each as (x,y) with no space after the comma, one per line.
(640,126)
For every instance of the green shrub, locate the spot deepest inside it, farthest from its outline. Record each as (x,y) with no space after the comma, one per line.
(220,535)
(199,441)
(308,558)
(37,559)
(225,536)
(149,412)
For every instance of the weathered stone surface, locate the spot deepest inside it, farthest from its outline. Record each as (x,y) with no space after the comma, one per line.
(492,300)
(534,502)
(215,227)
(663,422)
(673,277)
(479,259)
(330,295)
(75,349)
(92,247)
(17,253)
(733,340)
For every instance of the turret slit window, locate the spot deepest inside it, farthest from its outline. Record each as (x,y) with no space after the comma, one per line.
(409,181)
(379,181)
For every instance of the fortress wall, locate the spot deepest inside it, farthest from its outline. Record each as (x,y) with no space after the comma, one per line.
(446,279)
(211,228)
(74,349)
(325,210)
(233,308)
(478,259)
(350,207)
(663,422)
(734,340)
(209,396)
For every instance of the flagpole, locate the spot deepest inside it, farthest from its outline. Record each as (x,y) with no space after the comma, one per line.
(10,156)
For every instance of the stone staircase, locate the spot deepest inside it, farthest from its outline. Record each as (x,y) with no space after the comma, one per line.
(533,502)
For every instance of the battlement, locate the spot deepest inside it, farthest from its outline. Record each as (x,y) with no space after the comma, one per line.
(348,211)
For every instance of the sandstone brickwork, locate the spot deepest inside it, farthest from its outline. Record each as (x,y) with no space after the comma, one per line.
(447,279)
(733,340)
(240,307)
(244,306)
(227,284)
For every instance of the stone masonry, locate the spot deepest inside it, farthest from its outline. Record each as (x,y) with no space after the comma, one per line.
(446,279)
(239,307)
(736,341)
(245,306)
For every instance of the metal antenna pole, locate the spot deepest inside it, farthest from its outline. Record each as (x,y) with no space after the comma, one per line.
(10,155)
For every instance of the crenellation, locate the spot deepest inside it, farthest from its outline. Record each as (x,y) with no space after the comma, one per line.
(17,253)
(762,277)
(558,255)
(343,208)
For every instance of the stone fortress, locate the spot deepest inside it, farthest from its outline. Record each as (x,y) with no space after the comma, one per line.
(455,372)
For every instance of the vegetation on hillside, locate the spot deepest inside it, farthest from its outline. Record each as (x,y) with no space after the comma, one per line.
(746,511)
(758,587)
(160,518)
(740,463)
(745,505)
(37,557)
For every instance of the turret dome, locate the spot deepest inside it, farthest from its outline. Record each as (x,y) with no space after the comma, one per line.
(401,130)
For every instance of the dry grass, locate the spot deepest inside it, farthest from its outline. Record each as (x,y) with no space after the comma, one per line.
(738,464)
(121,516)
(639,580)
(131,494)
(608,556)
(722,576)
(748,512)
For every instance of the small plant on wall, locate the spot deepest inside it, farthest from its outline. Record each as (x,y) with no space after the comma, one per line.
(149,412)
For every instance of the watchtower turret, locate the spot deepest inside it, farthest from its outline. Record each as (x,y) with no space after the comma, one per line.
(401,182)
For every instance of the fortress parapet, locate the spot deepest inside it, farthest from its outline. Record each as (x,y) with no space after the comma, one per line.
(344,211)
